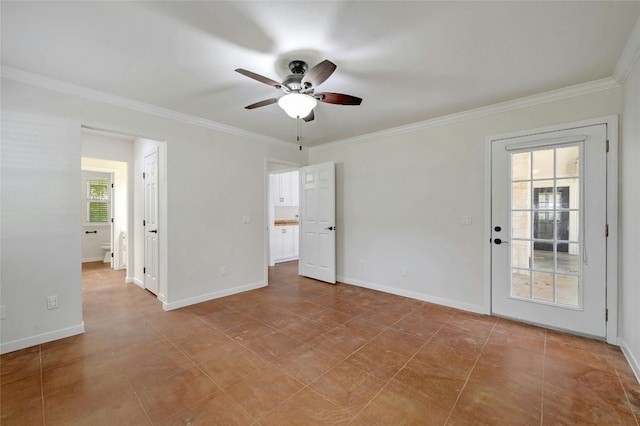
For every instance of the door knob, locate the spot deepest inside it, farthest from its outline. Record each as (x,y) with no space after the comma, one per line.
(331,228)
(498,241)
(155,231)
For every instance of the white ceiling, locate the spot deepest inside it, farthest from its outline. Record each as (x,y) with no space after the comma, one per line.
(410,61)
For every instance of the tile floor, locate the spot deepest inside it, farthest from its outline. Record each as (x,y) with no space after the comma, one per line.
(303,352)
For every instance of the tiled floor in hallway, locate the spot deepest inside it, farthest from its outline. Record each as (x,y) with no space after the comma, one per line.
(308,353)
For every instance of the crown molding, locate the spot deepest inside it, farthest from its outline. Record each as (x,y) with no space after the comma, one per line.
(630,55)
(38,80)
(541,98)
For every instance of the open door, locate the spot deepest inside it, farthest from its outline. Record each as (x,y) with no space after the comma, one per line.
(151,244)
(317,257)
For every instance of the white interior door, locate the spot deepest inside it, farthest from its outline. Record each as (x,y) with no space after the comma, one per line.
(318,222)
(151,243)
(549,216)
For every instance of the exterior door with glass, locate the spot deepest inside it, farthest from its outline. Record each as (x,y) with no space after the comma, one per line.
(549,229)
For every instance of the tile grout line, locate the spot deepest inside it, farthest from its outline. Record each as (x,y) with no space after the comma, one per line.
(388,383)
(135,392)
(624,389)
(471,371)
(196,366)
(307,385)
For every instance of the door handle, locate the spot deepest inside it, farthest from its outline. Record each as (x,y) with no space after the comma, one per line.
(498,241)
(155,231)
(331,228)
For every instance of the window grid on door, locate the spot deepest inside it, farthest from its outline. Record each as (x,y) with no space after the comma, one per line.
(545,226)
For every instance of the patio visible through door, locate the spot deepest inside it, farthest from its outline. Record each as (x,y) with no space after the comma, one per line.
(549,229)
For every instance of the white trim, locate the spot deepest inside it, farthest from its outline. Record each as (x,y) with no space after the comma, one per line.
(633,362)
(413,295)
(612,211)
(137,282)
(630,55)
(612,221)
(210,296)
(129,280)
(92,259)
(528,101)
(41,338)
(37,80)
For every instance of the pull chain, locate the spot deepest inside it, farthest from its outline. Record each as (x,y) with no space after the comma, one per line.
(299,137)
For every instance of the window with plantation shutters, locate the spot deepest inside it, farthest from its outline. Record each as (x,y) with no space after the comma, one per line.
(98,200)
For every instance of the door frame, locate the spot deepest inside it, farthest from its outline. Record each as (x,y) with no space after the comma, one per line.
(155,151)
(291,165)
(611,123)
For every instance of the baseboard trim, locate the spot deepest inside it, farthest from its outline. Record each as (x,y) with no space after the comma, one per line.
(413,295)
(93,259)
(633,362)
(41,338)
(138,283)
(210,296)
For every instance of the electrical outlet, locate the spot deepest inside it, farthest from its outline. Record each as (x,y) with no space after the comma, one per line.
(52,302)
(223,271)
(403,271)
(246,219)
(2,312)
(465,220)
(363,265)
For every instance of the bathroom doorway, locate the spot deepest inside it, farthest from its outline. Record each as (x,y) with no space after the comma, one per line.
(107,165)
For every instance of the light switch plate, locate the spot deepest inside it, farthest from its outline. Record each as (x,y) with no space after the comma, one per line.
(465,220)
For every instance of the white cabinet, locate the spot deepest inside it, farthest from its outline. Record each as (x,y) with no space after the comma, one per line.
(284,243)
(285,188)
(287,241)
(295,188)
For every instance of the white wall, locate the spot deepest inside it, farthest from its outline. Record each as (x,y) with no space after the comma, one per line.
(400,198)
(40,218)
(214,178)
(629,232)
(91,243)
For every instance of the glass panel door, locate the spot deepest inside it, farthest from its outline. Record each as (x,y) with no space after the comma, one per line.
(545,225)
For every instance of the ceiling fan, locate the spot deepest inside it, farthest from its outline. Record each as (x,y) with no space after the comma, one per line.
(299,89)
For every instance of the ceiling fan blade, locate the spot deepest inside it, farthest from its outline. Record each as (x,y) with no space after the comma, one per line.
(339,98)
(318,74)
(262,103)
(310,117)
(260,78)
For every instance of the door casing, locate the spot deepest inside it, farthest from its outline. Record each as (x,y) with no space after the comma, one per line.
(611,123)
(268,163)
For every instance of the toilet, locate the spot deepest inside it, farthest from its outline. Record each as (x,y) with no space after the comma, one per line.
(107,252)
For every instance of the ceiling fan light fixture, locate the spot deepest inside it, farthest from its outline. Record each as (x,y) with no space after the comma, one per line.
(297,105)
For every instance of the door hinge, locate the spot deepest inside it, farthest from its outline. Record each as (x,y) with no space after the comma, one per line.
(606,314)
(144,222)
(606,230)
(111,220)
(144,270)
(143,175)
(607,145)
(111,254)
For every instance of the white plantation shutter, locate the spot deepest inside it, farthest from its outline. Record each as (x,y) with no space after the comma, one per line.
(98,200)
